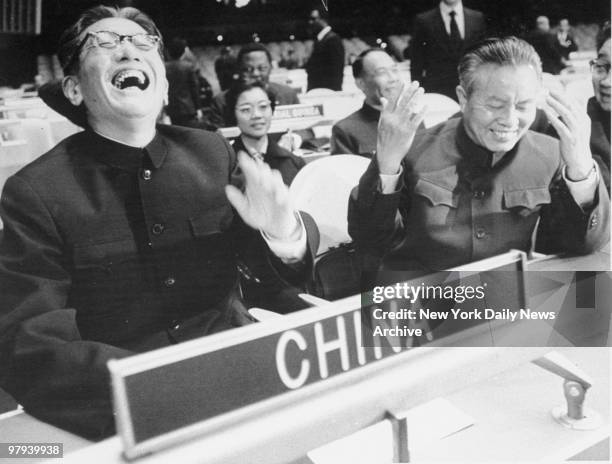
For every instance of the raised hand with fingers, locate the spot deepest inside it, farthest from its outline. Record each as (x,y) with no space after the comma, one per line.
(265,203)
(399,120)
(574,139)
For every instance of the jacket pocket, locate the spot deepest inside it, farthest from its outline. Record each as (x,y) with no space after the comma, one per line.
(435,194)
(211,222)
(104,254)
(526,201)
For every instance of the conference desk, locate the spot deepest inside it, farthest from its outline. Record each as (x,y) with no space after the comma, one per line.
(511,415)
(510,411)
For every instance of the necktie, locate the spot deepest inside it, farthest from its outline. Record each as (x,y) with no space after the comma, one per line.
(455,36)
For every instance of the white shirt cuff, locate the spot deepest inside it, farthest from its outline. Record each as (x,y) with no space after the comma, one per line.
(291,250)
(583,191)
(388,182)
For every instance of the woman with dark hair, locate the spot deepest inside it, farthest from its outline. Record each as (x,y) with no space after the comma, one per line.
(598,107)
(250,108)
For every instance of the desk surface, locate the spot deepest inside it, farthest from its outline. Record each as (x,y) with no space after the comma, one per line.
(511,412)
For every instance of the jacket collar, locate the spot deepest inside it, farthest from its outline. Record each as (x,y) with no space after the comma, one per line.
(369,112)
(125,157)
(478,155)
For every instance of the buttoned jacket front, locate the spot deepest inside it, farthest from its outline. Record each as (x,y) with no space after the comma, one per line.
(110,250)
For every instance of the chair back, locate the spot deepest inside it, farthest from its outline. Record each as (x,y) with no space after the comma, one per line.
(322,189)
(439,108)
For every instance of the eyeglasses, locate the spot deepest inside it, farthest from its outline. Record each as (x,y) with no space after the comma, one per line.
(248,110)
(249,70)
(111,40)
(599,69)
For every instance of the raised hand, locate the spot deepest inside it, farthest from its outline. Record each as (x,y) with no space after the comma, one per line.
(398,123)
(573,134)
(265,203)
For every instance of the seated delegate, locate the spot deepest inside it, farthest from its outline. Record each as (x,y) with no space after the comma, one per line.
(479,185)
(123,238)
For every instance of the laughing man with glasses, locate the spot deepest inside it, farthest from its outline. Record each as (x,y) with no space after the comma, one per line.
(126,237)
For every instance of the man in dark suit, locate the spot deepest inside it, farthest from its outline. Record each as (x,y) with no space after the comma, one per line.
(125,237)
(440,37)
(325,67)
(544,43)
(183,87)
(377,76)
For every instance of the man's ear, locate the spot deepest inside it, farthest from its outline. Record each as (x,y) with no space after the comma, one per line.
(360,84)
(462,96)
(166,87)
(72,90)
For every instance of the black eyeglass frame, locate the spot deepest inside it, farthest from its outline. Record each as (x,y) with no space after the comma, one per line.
(119,38)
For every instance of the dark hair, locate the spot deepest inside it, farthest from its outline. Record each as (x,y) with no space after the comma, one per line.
(231,98)
(506,51)
(72,37)
(176,48)
(603,35)
(253,47)
(358,63)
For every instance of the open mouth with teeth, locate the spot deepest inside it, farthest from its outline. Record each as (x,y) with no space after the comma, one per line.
(130,78)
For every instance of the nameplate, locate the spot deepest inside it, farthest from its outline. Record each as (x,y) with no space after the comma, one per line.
(298,111)
(203,386)
(160,393)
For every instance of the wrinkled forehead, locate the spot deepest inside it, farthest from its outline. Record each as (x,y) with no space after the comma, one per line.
(375,60)
(121,26)
(493,79)
(255,58)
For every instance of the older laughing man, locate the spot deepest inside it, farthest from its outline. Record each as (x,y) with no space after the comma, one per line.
(479,185)
(123,238)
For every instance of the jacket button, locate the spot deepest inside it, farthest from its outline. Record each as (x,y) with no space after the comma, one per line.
(157,229)
(175,325)
(146,174)
(480,233)
(169,282)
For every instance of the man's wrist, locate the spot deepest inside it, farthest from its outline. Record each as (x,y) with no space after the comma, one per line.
(292,235)
(388,169)
(574,174)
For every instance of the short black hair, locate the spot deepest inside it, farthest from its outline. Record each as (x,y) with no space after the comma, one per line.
(253,47)
(176,48)
(71,38)
(358,63)
(237,89)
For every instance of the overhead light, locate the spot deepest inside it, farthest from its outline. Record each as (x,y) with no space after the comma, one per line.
(241,3)
(219,38)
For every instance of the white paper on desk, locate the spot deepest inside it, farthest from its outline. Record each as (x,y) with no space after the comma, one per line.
(427,423)
(372,445)
(434,420)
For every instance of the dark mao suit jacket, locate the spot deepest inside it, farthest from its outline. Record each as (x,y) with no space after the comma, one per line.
(460,204)
(110,250)
(434,58)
